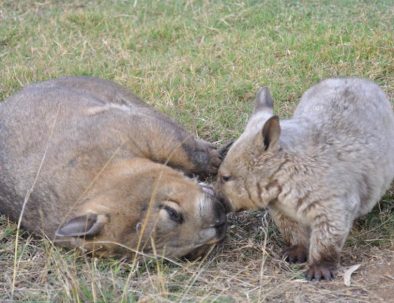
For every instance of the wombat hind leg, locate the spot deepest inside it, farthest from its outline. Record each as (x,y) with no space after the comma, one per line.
(296,254)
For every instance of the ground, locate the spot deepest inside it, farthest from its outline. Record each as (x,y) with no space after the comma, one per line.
(200,62)
(247,266)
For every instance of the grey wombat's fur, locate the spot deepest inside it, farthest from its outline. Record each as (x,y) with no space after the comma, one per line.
(316,172)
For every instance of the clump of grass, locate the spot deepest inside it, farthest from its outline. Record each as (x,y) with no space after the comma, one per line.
(200,62)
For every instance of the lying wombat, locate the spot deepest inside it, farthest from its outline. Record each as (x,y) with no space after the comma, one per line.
(92,155)
(316,172)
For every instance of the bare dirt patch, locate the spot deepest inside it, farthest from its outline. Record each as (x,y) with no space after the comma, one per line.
(281,282)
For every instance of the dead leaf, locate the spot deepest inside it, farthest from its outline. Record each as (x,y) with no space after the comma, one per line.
(348,274)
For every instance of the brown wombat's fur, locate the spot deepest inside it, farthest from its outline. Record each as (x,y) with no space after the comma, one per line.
(95,166)
(316,172)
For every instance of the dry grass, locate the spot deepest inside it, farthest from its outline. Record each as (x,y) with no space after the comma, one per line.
(246,267)
(201,63)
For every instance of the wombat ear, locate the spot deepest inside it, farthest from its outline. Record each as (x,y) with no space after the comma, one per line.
(271,133)
(224,149)
(86,225)
(264,100)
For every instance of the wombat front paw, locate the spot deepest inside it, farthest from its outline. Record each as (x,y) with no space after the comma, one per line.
(205,158)
(214,160)
(320,271)
(296,254)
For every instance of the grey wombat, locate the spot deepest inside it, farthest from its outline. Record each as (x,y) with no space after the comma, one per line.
(316,172)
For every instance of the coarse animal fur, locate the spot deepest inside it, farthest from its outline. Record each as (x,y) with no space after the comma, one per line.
(95,166)
(316,172)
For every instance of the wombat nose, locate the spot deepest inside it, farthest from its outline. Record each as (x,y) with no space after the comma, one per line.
(224,202)
(221,226)
(220,215)
(221,221)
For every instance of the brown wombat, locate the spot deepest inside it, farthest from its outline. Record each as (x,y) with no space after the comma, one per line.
(316,172)
(95,166)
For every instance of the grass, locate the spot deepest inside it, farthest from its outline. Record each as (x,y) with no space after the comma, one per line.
(200,62)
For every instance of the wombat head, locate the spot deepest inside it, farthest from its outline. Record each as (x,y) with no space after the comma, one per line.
(147,207)
(245,174)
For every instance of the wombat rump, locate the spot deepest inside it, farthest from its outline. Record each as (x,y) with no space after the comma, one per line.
(95,167)
(317,172)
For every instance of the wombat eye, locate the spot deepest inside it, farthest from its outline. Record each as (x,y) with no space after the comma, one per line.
(173,214)
(226,178)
